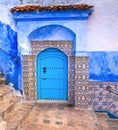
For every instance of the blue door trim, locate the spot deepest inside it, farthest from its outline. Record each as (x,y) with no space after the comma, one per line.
(52,75)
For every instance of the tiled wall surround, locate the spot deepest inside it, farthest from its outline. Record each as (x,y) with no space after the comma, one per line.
(28,74)
(29,67)
(82,94)
(81,91)
(71,83)
(64,46)
(67,48)
(101,99)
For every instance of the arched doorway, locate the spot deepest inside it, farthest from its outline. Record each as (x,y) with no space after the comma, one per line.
(52,75)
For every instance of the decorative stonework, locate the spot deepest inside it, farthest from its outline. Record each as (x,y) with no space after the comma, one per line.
(29,65)
(64,46)
(28,74)
(82,93)
(101,99)
(71,83)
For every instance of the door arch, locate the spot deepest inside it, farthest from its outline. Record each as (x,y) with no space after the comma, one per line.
(52,75)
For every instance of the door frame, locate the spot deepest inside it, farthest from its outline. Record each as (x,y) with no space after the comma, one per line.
(29,67)
(56,53)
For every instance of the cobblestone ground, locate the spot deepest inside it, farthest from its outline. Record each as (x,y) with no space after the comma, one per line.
(60,117)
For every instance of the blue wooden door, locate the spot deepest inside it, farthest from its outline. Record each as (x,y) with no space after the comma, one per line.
(52,75)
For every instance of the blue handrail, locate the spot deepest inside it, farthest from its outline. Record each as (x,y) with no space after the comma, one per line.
(109,88)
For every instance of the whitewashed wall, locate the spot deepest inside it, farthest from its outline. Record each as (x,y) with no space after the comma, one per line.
(102,31)
(103,26)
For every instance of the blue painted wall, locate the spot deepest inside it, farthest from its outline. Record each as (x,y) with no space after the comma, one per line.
(103,66)
(53,32)
(9,64)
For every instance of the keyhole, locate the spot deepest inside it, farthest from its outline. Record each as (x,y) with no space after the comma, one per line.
(44,69)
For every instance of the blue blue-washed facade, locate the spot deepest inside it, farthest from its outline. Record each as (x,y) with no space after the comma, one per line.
(103,66)
(76,33)
(9,60)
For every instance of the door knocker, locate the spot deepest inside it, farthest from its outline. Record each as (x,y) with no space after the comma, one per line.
(44,69)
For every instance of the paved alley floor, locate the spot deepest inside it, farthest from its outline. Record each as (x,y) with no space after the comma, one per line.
(107,123)
(60,117)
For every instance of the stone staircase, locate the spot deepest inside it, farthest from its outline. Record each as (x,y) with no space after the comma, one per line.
(18,114)
(14,110)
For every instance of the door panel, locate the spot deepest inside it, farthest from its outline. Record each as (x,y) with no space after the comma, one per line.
(52,75)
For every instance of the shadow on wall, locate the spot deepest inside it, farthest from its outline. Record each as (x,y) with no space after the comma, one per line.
(9,62)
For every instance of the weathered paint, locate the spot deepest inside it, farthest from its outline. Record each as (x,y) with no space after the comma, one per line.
(103,66)
(63,22)
(9,62)
(53,32)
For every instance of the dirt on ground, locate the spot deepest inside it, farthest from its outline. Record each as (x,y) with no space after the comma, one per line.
(60,117)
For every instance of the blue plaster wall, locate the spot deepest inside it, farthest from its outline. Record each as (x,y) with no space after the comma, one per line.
(70,25)
(103,66)
(53,32)
(9,65)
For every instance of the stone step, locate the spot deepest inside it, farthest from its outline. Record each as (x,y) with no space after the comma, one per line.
(5,91)
(2,81)
(107,123)
(8,104)
(18,116)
